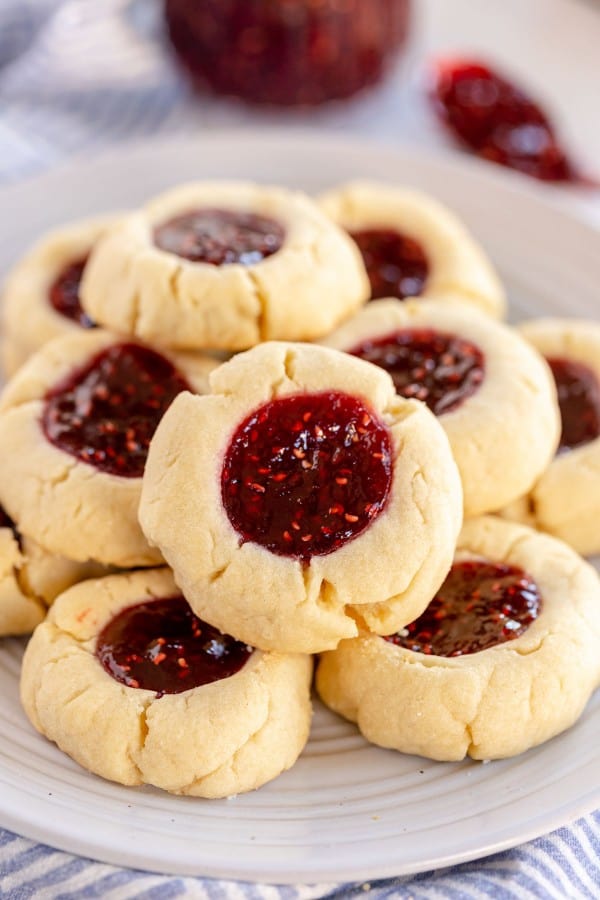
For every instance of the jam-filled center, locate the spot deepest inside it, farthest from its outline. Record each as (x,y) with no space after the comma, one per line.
(304,474)
(479,605)
(579,400)
(106,412)
(220,236)
(63,293)
(396,264)
(442,370)
(160,645)
(498,121)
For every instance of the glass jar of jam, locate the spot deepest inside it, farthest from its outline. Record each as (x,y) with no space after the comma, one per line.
(287,52)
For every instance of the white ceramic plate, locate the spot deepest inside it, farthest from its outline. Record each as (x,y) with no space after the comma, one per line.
(347,810)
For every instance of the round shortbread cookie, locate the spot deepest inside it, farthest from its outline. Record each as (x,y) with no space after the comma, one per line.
(209,740)
(61,480)
(20,611)
(257,263)
(40,297)
(345,508)
(565,501)
(493,394)
(412,245)
(497,701)
(31,579)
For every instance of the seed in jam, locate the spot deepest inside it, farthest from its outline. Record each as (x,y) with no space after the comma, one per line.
(161,646)
(442,370)
(220,237)
(106,412)
(579,400)
(64,294)
(479,605)
(498,121)
(305,474)
(395,263)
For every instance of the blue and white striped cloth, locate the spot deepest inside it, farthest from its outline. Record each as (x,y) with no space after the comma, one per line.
(59,97)
(563,864)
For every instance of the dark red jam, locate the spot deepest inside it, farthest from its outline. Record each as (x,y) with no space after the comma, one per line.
(161,646)
(442,370)
(479,605)
(106,412)
(287,52)
(579,401)
(64,294)
(395,263)
(499,121)
(306,473)
(220,237)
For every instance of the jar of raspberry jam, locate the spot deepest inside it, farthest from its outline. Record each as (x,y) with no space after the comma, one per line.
(287,52)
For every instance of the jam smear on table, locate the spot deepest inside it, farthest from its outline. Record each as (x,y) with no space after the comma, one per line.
(160,645)
(64,293)
(479,605)
(442,370)
(220,236)
(579,400)
(305,474)
(287,52)
(498,121)
(106,412)
(395,263)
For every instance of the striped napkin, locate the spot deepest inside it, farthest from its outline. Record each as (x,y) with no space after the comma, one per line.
(58,97)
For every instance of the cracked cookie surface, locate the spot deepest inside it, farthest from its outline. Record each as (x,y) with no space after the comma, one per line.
(490,703)
(493,394)
(225,265)
(41,294)
(213,740)
(70,506)
(565,500)
(385,536)
(414,246)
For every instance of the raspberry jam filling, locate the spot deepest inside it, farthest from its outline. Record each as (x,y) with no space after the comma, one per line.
(306,473)
(64,294)
(479,605)
(396,264)
(442,370)
(106,412)
(161,646)
(579,400)
(288,52)
(220,237)
(498,121)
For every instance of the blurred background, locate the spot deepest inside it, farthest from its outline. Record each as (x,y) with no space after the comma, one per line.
(81,75)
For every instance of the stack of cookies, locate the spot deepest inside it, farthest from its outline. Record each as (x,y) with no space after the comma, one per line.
(243,428)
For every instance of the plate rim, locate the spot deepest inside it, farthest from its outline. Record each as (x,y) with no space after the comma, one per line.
(452,158)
